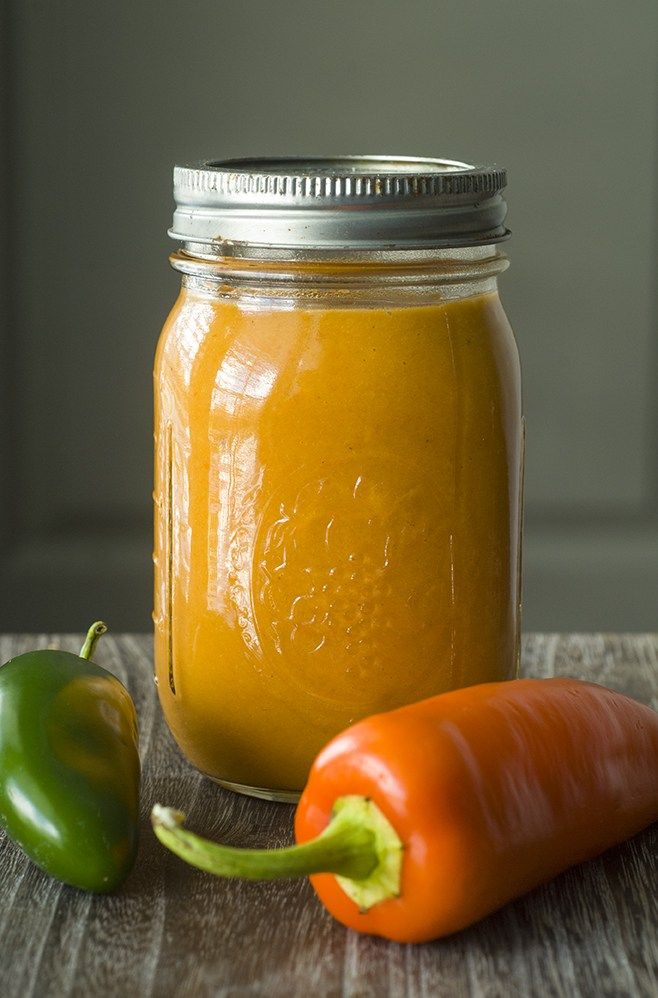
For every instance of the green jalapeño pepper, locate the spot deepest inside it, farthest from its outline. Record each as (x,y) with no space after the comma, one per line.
(69,765)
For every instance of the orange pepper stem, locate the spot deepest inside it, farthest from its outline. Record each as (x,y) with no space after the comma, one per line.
(359,845)
(96,630)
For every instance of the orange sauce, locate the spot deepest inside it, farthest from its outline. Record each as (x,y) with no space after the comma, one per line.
(337,520)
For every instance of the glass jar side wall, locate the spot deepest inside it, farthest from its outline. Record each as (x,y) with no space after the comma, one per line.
(337,509)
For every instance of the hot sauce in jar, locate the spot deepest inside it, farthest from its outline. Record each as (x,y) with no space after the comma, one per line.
(338,462)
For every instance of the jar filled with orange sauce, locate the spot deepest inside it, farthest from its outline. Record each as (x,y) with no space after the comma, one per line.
(338,455)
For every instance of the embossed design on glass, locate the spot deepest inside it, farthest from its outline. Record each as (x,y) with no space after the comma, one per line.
(334,594)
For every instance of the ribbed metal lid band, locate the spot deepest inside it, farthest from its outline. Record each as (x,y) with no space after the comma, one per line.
(349,202)
(191,181)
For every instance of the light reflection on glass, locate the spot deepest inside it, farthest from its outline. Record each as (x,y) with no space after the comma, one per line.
(242,378)
(243,382)
(191,330)
(192,327)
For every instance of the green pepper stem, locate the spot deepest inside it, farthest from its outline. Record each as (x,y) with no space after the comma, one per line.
(359,845)
(96,630)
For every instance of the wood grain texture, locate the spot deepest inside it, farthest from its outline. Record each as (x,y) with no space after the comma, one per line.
(175,931)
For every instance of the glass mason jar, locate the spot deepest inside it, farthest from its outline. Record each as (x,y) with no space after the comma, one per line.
(338,455)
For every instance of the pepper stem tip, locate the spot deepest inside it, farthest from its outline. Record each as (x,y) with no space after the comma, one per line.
(97,629)
(166,817)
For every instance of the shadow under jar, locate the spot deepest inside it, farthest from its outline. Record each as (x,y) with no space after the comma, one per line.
(338,455)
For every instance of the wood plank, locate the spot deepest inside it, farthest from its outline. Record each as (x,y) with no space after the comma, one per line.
(175,931)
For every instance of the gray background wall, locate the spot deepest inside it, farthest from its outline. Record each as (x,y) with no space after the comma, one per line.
(100,100)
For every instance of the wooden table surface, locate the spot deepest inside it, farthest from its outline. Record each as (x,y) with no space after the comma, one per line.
(173,930)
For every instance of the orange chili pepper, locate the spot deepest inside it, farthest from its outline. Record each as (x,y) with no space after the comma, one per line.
(420,821)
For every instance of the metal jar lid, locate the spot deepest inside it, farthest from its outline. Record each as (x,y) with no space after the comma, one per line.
(342,205)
